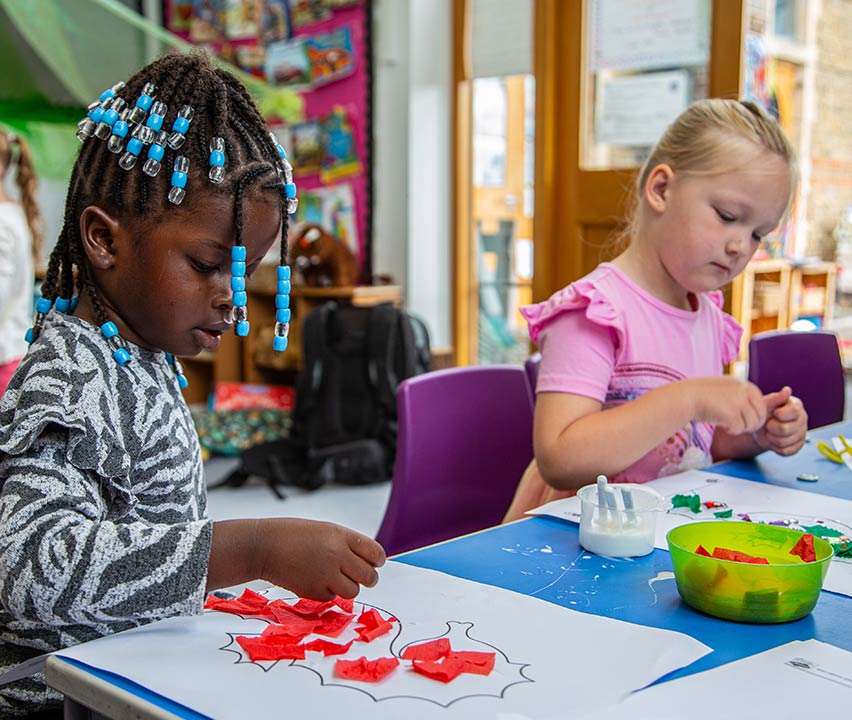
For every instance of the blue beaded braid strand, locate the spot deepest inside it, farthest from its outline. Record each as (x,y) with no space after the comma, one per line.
(238,288)
(119,354)
(178,370)
(282,290)
(178,191)
(155,154)
(179,127)
(217,160)
(43,306)
(282,308)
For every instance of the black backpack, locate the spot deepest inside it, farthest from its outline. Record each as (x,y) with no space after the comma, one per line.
(344,423)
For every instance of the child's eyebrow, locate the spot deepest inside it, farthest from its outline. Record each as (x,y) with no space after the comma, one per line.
(215,245)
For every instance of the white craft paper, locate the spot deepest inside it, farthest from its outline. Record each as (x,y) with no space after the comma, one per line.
(801,679)
(550,660)
(760,501)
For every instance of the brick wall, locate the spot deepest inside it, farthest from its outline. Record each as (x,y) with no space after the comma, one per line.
(831,143)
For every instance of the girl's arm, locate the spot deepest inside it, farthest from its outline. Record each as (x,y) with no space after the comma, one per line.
(575,440)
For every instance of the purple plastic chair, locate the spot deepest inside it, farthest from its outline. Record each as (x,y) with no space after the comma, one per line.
(809,362)
(531,365)
(465,439)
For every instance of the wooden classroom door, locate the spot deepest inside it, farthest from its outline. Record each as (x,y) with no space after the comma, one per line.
(588,141)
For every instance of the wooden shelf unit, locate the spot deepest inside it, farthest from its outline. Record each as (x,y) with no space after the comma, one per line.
(772,294)
(812,289)
(763,275)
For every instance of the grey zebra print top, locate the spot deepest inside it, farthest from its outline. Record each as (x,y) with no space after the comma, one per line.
(103,521)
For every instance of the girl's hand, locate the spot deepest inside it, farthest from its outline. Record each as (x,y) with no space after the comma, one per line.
(317,560)
(786,425)
(735,405)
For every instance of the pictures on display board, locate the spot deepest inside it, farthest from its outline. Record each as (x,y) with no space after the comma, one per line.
(319,49)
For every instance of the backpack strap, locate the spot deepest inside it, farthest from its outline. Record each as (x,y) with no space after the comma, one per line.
(316,356)
(381,366)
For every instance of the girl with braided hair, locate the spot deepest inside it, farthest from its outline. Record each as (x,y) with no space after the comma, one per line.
(20,247)
(178,193)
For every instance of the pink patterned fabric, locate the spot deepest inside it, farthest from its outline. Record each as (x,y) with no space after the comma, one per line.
(606,338)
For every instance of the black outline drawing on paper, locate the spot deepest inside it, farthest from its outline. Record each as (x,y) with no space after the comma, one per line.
(493,685)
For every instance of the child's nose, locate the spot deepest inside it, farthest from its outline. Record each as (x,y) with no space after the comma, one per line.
(739,243)
(223,296)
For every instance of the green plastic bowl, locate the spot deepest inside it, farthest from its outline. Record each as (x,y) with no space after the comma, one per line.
(786,589)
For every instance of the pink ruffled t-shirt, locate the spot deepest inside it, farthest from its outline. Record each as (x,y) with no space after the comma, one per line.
(606,338)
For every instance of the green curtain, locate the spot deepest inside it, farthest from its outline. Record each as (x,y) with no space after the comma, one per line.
(58,56)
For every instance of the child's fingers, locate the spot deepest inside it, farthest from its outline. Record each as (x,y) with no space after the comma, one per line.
(775,400)
(368,549)
(344,587)
(359,571)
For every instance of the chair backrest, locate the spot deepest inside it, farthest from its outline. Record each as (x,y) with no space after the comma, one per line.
(465,439)
(809,362)
(531,365)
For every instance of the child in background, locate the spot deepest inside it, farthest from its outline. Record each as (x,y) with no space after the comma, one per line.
(630,383)
(20,246)
(177,194)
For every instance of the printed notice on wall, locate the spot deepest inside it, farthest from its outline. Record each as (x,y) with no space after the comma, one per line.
(648,34)
(635,110)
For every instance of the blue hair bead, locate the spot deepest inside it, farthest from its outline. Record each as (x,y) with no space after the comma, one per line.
(238,253)
(282,302)
(96,114)
(283,287)
(238,268)
(62,304)
(243,328)
(238,284)
(180,125)
(240,298)
(29,336)
(279,343)
(74,301)
(106,94)
(290,190)
(282,315)
(43,305)
(109,329)
(182,381)
(282,272)
(155,119)
(121,356)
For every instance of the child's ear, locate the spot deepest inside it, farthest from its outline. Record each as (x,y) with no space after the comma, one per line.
(657,187)
(99,229)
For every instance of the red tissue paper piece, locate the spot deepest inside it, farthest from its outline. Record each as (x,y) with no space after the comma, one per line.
(365,670)
(445,671)
(432,650)
(279,631)
(701,550)
(345,604)
(271,648)
(327,647)
(332,623)
(804,548)
(249,603)
(294,623)
(372,625)
(476,663)
(737,556)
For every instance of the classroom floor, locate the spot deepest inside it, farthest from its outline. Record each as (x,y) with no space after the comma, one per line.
(358,507)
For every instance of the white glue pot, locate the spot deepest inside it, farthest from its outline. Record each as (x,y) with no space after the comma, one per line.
(621,522)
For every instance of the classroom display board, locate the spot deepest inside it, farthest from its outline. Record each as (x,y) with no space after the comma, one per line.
(321,49)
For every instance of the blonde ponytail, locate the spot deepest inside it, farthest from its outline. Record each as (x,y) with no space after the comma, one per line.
(27,182)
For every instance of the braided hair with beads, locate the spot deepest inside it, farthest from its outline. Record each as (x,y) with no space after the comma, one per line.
(218,137)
